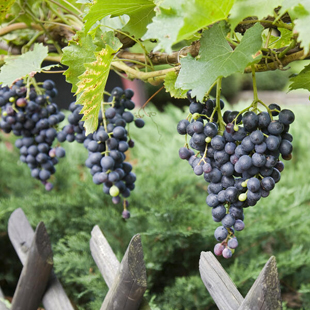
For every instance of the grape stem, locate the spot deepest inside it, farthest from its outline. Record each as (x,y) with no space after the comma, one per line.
(218,105)
(266,107)
(254,103)
(104,124)
(204,155)
(210,89)
(37,88)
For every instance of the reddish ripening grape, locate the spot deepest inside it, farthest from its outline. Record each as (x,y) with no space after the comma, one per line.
(218,249)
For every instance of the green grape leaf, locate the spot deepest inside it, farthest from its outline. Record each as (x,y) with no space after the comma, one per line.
(80,50)
(300,13)
(174,20)
(92,85)
(21,66)
(283,40)
(140,12)
(246,8)
(302,80)
(217,59)
(5,6)
(170,80)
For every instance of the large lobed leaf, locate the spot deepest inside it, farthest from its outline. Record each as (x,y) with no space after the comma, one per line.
(179,20)
(140,12)
(246,8)
(217,59)
(302,80)
(300,14)
(23,65)
(80,50)
(92,85)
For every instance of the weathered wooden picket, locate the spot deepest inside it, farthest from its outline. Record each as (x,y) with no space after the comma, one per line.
(127,280)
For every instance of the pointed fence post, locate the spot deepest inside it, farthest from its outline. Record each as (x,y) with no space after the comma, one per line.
(107,261)
(221,288)
(103,256)
(35,274)
(21,235)
(265,293)
(130,282)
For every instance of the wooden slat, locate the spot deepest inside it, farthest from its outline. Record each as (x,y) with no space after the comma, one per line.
(2,304)
(35,274)
(21,236)
(218,283)
(130,283)
(265,294)
(103,256)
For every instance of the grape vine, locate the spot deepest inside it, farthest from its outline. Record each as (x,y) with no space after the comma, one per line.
(156,42)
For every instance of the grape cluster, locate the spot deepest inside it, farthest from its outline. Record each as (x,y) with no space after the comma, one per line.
(31,115)
(108,144)
(239,155)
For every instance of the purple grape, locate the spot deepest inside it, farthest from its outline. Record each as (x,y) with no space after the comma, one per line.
(220,233)
(126,214)
(198,170)
(227,253)
(232,243)
(239,225)
(49,186)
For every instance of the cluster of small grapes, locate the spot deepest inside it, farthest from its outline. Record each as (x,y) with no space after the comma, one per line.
(107,145)
(241,161)
(31,115)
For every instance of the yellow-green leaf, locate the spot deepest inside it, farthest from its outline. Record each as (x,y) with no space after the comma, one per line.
(5,6)
(170,80)
(92,85)
(80,50)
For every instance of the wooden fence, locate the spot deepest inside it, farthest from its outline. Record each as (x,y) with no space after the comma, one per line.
(126,280)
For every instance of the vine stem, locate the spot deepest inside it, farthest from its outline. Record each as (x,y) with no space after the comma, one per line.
(17,26)
(35,37)
(276,24)
(72,6)
(144,76)
(30,13)
(210,89)
(147,101)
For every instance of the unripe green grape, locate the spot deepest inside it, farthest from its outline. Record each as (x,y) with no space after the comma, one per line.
(114,191)
(208,139)
(242,197)
(196,116)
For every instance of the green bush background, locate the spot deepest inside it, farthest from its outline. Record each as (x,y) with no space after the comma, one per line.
(169,211)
